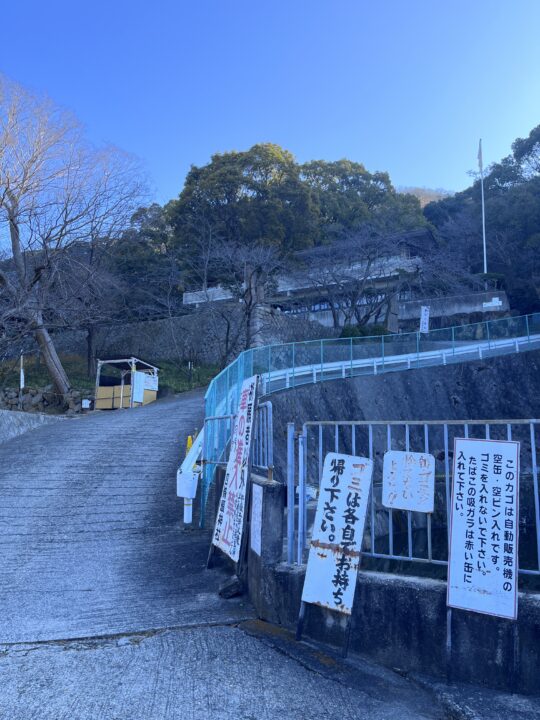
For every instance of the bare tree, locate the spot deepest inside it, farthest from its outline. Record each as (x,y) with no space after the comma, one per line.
(359,276)
(55,192)
(249,272)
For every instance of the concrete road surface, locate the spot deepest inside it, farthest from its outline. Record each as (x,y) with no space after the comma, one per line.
(108,613)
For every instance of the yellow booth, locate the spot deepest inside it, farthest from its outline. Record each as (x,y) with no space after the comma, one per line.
(132,383)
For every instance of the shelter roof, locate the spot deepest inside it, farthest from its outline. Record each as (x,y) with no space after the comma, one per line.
(124,363)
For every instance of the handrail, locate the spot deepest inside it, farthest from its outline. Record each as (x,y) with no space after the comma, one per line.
(284,365)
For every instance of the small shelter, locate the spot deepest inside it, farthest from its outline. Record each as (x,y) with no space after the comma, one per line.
(133,383)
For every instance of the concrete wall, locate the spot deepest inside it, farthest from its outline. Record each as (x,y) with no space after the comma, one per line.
(13,423)
(399,621)
(484,389)
(491,301)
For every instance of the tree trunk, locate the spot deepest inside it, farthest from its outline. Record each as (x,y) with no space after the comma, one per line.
(51,359)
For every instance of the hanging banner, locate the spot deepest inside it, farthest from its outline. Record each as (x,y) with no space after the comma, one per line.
(424,319)
(137,386)
(408,481)
(334,553)
(483,556)
(229,525)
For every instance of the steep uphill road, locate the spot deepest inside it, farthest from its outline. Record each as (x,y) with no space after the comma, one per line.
(90,535)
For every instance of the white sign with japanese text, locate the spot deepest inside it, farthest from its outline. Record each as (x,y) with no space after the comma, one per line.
(256,517)
(483,557)
(408,481)
(150,382)
(424,319)
(334,553)
(229,525)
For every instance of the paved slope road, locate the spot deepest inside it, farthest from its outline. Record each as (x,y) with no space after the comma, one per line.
(90,539)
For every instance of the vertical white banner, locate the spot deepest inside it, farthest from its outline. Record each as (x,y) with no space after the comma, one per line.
(334,553)
(229,525)
(256,518)
(483,556)
(137,386)
(424,319)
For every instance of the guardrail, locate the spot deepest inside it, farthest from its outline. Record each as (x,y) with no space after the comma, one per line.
(289,365)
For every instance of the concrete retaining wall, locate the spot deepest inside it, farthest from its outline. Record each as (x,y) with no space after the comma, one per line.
(501,387)
(13,423)
(399,621)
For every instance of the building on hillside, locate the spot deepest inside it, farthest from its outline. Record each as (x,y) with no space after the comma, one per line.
(365,281)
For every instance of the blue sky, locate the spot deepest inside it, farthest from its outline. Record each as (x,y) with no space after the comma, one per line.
(406,86)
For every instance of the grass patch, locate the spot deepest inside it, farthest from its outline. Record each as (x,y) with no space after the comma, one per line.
(180,379)
(171,374)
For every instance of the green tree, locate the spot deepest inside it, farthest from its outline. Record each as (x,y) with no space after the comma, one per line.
(246,198)
(349,197)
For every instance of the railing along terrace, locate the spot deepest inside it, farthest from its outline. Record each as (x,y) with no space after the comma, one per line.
(400,535)
(289,365)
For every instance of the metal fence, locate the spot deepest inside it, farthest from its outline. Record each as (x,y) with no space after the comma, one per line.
(293,364)
(397,534)
(219,428)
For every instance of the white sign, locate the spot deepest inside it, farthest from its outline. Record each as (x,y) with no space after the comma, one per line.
(230,518)
(408,481)
(150,382)
(483,557)
(424,319)
(334,553)
(256,517)
(137,386)
(493,303)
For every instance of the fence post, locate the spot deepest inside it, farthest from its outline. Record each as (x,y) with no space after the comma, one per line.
(382,351)
(290,492)
(301,501)
(453,342)
(528,331)
(418,349)
(322,362)
(351,358)
(488,337)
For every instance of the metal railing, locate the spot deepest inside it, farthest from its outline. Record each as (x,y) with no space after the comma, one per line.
(289,365)
(219,428)
(397,534)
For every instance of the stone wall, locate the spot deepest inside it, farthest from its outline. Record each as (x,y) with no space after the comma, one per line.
(201,336)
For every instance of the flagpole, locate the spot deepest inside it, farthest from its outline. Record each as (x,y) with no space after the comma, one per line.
(483,207)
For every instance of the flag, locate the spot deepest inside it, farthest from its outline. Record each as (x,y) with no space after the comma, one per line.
(480,164)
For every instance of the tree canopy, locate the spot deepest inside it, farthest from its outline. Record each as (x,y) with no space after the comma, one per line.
(262,196)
